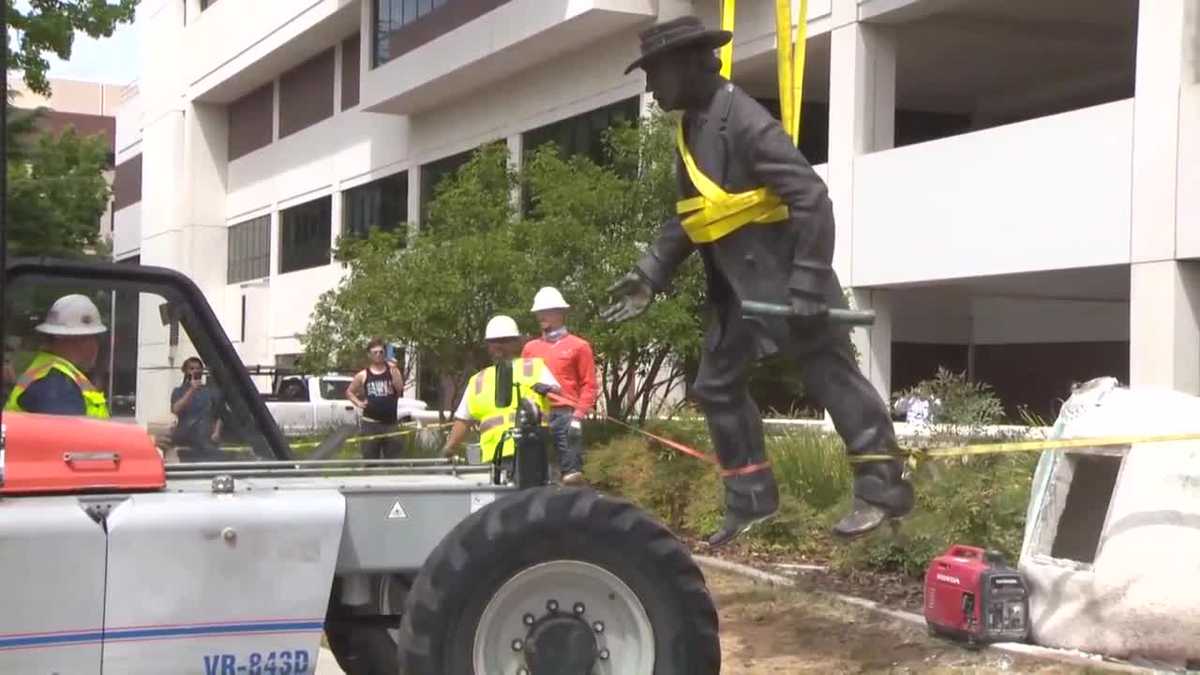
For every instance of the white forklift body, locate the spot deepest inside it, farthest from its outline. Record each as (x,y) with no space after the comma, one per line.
(237,559)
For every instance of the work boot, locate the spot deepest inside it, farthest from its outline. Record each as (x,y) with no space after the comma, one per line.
(880,493)
(749,499)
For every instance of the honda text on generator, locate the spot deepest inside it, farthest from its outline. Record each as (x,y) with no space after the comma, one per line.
(973,595)
(117,558)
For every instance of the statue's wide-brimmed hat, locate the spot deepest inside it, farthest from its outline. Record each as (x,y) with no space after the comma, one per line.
(686,31)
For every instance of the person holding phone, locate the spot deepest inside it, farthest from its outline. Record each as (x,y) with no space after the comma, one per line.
(195,404)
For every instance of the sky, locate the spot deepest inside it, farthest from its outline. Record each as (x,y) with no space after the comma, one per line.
(113,60)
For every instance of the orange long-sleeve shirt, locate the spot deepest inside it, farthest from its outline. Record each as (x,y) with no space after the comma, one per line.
(572,363)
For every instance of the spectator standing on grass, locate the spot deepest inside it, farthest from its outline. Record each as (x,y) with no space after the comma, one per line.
(573,365)
(195,405)
(375,391)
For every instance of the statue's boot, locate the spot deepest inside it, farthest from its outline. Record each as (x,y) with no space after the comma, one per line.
(880,494)
(749,499)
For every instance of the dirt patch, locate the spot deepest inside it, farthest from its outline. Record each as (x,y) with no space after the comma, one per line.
(892,590)
(768,630)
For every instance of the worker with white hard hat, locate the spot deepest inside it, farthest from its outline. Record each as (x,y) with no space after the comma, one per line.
(570,358)
(55,382)
(478,404)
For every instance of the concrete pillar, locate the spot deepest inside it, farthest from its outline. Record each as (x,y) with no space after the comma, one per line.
(874,344)
(336,214)
(862,112)
(1164,318)
(206,143)
(1167,33)
(414,200)
(862,105)
(1164,296)
(516,160)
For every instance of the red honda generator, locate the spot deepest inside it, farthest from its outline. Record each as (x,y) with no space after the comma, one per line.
(973,595)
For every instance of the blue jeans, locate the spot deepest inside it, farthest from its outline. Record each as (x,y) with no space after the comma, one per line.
(568,441)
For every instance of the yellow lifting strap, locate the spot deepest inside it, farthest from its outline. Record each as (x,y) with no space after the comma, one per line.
(716,213)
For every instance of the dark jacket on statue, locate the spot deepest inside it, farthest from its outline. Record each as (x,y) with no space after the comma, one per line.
(739,145)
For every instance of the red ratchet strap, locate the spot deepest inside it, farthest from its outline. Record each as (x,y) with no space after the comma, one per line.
(674,445)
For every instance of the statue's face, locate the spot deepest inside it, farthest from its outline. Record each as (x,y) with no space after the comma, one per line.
(667,78)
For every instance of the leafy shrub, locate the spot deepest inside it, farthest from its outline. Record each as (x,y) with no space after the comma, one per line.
(963,402)
(811,467)
(979,502)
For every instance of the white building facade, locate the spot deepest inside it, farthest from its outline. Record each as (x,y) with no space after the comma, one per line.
(1010,177)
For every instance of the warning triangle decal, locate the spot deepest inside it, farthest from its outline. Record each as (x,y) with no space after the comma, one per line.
(397,511)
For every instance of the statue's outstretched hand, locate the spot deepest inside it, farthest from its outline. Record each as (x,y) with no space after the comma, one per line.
(633,295)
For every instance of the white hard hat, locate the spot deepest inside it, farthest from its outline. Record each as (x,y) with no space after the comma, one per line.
(501,327)
(548,298)
(72,315)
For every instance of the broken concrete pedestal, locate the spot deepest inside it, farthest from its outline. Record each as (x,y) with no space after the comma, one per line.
(1112,538)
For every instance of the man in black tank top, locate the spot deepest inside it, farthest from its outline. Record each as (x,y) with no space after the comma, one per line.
(375,391)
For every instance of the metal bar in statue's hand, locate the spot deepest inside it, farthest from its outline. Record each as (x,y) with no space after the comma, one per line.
(849,317)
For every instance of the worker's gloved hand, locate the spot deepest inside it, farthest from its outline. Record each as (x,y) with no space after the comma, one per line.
(633,295)
(544,389)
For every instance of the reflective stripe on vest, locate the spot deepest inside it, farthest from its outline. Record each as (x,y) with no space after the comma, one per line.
(94,403)
(495,422)
(717,213)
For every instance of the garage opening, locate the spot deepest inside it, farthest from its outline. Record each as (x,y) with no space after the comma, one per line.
(1093,480)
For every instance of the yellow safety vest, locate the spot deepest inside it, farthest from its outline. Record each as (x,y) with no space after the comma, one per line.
(716,213)
(94,403)
(493,421)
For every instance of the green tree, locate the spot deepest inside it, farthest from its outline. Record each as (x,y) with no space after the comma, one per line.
(589,225)
(477,256)
(56,188)
(50,26)
(437,294)
(56,194)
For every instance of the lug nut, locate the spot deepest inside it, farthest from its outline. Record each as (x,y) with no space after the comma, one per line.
(604,654)
(518,645)
(552,605)
(528,619)
(598,627)
(579,608)
(522,671)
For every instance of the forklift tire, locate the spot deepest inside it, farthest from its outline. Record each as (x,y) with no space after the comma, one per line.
(559,580)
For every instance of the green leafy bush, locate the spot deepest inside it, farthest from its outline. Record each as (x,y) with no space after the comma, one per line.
(979,502)
(811,467)
(963,402)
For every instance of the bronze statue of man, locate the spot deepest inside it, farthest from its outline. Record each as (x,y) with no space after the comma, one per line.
(732,145)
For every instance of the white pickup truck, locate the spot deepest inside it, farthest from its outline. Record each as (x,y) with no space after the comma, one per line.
(308,404)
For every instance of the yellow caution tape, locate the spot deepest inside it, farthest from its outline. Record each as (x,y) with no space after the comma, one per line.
(920,454)
(355,439)
(373,437)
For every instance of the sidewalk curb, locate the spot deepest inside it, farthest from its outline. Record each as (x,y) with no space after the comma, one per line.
(1073,658)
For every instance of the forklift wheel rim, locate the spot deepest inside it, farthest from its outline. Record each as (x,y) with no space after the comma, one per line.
(623,633)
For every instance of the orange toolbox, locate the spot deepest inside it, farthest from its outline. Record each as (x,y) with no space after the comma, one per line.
(54,453)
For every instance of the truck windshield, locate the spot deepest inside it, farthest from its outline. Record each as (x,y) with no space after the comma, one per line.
(134,352)
(334,389)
